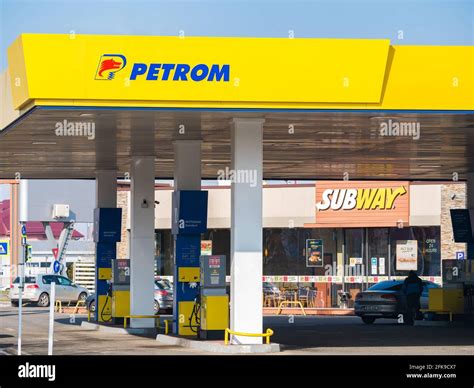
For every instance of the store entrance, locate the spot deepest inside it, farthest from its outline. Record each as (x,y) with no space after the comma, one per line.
(366,256)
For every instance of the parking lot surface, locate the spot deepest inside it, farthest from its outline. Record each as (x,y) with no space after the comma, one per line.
(318,335)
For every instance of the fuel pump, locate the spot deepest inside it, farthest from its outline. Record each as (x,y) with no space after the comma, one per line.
(213,317)
(120,290)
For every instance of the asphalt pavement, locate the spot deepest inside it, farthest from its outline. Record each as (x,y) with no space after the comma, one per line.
(318,335)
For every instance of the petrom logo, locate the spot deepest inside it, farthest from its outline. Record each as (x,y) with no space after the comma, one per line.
(110,64)
(360,199)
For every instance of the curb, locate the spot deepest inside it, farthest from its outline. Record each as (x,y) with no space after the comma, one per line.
(116,330)
(217,347)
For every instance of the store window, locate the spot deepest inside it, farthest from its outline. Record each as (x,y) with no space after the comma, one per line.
(378,252)
(425,241)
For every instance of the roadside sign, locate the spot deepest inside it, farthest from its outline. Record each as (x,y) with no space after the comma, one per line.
(23,230)
(460,256)
(4,247)
(55,253)
(56,266)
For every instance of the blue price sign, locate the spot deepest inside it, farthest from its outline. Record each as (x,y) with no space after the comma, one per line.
(459,255)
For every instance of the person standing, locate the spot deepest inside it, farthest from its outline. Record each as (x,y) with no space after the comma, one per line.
(412,288)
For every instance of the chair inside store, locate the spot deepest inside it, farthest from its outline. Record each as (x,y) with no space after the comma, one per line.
(303,296)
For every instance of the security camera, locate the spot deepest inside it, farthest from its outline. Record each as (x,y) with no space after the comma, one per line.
(453,196)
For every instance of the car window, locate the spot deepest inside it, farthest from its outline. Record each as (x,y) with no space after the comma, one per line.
(48,279)
(28,279)
(64,281)
(387,285)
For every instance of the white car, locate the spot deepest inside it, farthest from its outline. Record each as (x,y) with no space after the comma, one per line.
(37,289)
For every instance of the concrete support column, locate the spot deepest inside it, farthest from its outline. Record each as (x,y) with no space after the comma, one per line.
(105,197)
(187,177)
(187,165)
(106,188)
(142,239)
(246,230)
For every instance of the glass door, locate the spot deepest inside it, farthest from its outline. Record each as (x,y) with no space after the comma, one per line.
(354,266)
(378,253)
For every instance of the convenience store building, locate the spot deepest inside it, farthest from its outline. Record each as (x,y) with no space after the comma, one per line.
(396,229)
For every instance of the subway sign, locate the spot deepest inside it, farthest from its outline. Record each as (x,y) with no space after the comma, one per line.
(111,64)
(382,198)
(362,204)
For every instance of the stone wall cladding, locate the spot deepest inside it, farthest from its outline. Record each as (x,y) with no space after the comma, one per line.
(448,190)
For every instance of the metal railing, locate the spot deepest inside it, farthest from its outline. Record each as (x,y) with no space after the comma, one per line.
(266,335)
(167,322)
(58,306)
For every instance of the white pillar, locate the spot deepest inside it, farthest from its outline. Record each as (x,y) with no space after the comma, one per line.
(246,230)
(142,239)
(106,188)
(187,164)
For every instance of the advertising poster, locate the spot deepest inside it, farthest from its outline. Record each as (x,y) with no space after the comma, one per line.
(407,255)
(206,247)
(314,253)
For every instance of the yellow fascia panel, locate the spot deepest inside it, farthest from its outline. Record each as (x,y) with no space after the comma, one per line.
(265,73)
(430,77)
(18,74)
(262,70)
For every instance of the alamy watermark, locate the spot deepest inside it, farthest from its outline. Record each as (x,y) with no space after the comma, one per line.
(75,128)
(37,371)
(238,176)
(400,128)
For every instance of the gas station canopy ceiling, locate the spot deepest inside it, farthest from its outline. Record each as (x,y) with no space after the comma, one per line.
(330,106)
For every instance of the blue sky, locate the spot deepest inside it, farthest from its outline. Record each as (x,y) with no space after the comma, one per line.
(423,22)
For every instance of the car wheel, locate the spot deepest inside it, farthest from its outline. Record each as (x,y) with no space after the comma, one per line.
(43,300)
(92,306)
(368,320)
(14,304)
(156,307)
(82,297)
